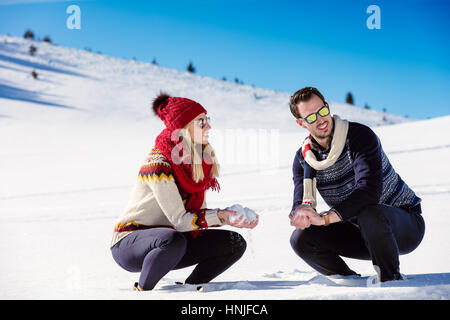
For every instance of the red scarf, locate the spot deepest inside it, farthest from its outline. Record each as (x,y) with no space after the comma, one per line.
(193,192)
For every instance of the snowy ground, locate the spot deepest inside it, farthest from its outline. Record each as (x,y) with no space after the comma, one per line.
(73,140)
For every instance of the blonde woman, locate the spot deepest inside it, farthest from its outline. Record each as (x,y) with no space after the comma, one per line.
(165,225)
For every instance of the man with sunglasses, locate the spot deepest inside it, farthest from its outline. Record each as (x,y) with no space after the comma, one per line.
(374,215)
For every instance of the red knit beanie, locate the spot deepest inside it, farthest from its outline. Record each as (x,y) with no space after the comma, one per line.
(176,112)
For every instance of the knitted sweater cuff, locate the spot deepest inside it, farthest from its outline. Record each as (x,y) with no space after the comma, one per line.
(212,218)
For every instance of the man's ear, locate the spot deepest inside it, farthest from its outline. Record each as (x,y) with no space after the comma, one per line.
(300,123)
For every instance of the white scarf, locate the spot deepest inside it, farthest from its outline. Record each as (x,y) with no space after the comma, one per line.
(337,145)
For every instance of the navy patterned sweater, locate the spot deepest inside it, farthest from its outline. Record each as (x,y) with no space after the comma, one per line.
(361,176)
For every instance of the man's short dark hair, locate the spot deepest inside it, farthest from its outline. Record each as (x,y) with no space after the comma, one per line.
(303,95)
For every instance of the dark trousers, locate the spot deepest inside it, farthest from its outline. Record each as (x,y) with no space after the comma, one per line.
(379,233)
(154,252)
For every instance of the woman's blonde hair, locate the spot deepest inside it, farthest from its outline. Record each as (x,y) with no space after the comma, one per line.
(198,153)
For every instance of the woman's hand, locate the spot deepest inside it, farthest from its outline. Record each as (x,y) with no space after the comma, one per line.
(226,217)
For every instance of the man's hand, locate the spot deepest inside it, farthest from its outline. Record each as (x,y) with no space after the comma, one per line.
(299,220)
(305,216)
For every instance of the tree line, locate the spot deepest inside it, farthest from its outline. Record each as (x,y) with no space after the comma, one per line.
(190,68)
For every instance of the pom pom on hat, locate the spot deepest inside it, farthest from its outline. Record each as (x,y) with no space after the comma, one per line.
(160,102)
(176,112)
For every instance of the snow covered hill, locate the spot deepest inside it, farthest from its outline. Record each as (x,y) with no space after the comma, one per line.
(73,139)
(85,83)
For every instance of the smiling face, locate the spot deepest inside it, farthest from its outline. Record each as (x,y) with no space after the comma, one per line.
(323,127)
(198,134)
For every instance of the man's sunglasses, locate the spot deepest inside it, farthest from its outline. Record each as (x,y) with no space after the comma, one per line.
(311,118)
(202,122)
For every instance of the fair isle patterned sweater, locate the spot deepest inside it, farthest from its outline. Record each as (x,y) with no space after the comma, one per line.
(156,202)
(361,176)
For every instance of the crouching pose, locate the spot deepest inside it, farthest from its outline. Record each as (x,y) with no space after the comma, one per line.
(165,225)
(374,215)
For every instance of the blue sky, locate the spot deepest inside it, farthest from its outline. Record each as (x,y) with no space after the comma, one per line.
(281,45)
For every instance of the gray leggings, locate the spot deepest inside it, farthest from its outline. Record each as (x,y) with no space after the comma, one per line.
(154,252)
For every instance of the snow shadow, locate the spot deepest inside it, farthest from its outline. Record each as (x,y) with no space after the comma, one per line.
(421,280)
(10,68)
(40,66)
(13,93)
(416,280)
(234,285)
(413,280)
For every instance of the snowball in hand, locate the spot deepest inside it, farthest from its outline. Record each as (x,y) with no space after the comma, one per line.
(246,213)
